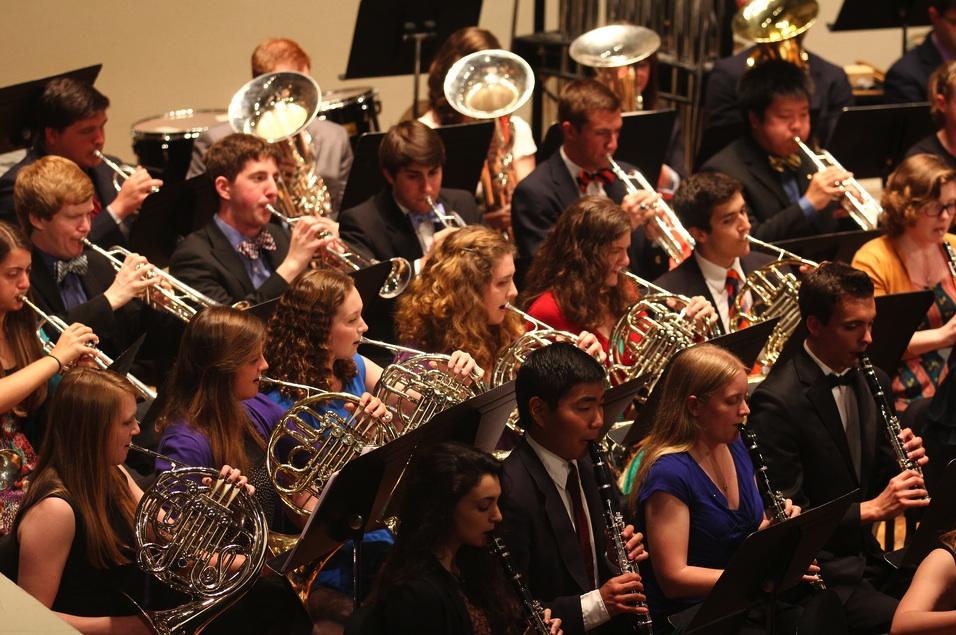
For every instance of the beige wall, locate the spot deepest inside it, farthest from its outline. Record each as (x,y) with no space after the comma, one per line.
(174,54)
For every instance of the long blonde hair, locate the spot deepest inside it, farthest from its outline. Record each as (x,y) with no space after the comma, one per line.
(699,371)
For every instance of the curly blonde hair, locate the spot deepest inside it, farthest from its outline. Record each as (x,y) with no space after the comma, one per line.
(572,263)
(298,333)
(913,186)
(443,309)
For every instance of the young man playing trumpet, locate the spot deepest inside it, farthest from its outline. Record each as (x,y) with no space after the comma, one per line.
(71,118)
(239,255)
(711,206)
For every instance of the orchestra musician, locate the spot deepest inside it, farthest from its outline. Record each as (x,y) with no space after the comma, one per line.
(582,257)
(907,79)
(70,122)
(821,435)
(239,256)
(919,203)
(72,546)
(552,515)
(27,376)
(942,107)
(786,195)
(330,141)
(711,206)
(590,116)
(440,578)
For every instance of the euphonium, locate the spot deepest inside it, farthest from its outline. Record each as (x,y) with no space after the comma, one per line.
(278,107)
(207,541)
(347,261)
(102,359)
(859,204)
(120,172)
(492,84)
(418,388)
(175,296)
(673,239)
(614,52)
(773,290)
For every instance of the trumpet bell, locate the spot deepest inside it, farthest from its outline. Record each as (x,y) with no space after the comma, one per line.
(275,106)
(489,84)
(768,21)
(398,278)
(614,45)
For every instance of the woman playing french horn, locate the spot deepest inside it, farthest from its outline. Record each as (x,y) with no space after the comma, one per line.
(72,547)
(26,374)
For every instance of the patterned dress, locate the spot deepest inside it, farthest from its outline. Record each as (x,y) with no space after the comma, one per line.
(919,376)
(23,459)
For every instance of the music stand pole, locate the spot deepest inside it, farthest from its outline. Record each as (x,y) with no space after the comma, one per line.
(412,33)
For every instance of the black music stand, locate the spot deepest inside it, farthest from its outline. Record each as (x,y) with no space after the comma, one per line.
(398,37)
(18,107)
(938,518)
(765,564)
(868,154)
(466,146)
(839,246)
(645,136)
(170,214)
(865,14)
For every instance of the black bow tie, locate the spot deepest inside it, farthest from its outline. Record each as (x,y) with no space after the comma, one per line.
(846,379)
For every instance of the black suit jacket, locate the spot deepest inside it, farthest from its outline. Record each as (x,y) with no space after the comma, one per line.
(803,441)
(207,262)
(772,215)
(831,92)
(908,78)
(104,231)
(538,532)
(687,278)
(380,229)
(543,195)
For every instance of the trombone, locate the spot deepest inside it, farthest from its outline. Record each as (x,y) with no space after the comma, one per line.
(178,299)
(674,239)
(349,260)
(862,207)
(121,172)
(449,220)
(102,359)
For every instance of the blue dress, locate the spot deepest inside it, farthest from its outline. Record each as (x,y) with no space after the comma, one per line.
(715,530)
(355,386)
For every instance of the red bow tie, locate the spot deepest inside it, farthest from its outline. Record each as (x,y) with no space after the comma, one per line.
(603,176)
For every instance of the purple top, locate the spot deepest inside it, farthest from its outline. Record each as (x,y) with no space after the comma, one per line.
(183,442)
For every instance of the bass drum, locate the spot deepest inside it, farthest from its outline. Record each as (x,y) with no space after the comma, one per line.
(164,144)
(356,109)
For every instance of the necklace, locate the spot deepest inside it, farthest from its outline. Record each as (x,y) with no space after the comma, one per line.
(717,476)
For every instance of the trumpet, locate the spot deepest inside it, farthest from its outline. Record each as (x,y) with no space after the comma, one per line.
(102,359)
(862,207)
(447,220)
(674,239)
(398,277)
(120,172)
(179,299)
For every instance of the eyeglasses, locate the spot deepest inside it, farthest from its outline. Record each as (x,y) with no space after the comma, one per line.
(937,209)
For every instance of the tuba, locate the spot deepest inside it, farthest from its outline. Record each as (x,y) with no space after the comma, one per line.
(614,52)
(207,541)
(278,107)
(859,204)
(775,26)
(774,290)
(492,84)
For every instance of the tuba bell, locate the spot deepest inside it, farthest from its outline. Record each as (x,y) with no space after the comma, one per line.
(278,107)
(775,25)
(614,52)
(492,84)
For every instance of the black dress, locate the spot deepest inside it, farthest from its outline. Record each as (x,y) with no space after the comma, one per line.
(931,145)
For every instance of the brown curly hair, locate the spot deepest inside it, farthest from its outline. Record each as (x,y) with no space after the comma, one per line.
(443,309)
(298,332)
(915,184)
(572,263)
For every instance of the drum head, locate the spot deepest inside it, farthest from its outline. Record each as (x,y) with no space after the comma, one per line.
(187,122)
(354,108)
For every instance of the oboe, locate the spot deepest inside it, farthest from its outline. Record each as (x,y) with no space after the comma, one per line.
(890,421)
(773,499)
(532,608)
(614,521)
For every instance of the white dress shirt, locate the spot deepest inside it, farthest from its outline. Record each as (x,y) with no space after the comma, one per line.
(716,278)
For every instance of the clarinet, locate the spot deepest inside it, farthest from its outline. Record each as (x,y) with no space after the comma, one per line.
(774,501)
(614,522)
(950,257)
(890,421)
(532,608)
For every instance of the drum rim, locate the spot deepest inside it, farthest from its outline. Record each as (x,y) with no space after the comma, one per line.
(368,92)
(172,114)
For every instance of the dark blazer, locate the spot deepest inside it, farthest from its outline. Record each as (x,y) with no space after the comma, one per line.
(429,604)
(798,425)
(104,231)
(908,77)
(207,262)
(772,215)
(831,92)
(380,229)
(542,541)
(687,279)
(543,195)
